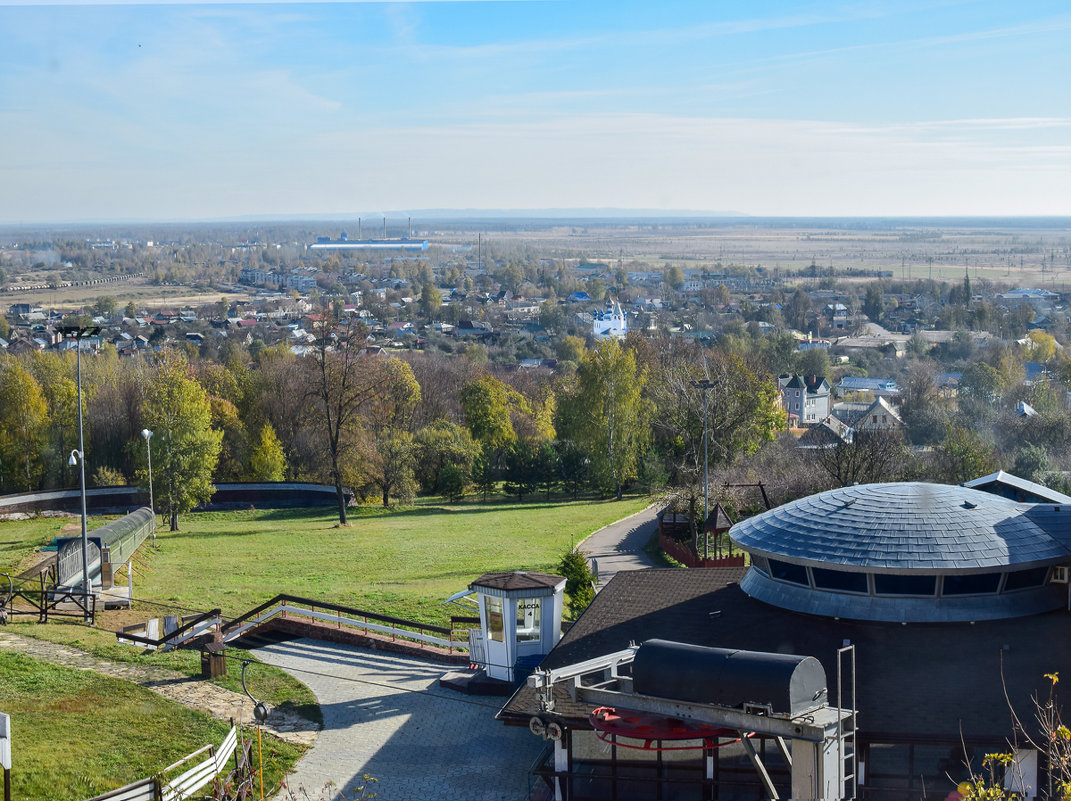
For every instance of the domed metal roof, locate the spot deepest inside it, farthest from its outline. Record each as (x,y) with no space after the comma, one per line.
(909,526)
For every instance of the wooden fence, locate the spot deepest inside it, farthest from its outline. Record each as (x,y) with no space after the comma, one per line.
(683,554)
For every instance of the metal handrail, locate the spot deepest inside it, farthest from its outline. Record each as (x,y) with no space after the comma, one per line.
(294,599)
(167,638)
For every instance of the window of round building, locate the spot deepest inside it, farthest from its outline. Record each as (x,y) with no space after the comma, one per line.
(908,552)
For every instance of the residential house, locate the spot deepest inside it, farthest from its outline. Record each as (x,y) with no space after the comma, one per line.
(472,329)
(837,315)
(880,387)
(879,416)
(804,398)
(827,433)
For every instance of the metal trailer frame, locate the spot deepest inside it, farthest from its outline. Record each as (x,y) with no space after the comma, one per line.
(822,751)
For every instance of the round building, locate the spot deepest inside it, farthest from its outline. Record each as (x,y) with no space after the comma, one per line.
(909,552)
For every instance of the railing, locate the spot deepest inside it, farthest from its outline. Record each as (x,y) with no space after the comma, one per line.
(45,603)
(192,626)
(290,606)
(187,783)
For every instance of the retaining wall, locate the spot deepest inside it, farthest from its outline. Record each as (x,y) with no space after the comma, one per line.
(119,500)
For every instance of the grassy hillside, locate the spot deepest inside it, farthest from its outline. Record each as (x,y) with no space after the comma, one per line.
(76,733)
(394,562)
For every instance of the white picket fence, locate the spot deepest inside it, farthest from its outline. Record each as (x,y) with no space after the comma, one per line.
(186,783)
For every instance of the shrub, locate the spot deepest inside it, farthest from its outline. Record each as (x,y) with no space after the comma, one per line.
(578,581)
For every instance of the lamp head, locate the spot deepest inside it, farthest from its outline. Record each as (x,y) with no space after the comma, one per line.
(73,461)
(146,433)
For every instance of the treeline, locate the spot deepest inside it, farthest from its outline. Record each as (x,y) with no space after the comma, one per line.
(619,416)
(613,417)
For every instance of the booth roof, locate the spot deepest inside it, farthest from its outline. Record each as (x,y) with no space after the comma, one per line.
(518,580)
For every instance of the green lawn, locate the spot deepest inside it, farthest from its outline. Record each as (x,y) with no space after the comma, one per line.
(402,563)
(266,682)
(18,538)
(85,733)
(76,733)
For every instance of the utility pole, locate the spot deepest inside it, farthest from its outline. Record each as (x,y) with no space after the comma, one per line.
(705,384)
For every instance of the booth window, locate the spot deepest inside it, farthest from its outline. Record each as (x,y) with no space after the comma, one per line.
(528,619)
(494,619)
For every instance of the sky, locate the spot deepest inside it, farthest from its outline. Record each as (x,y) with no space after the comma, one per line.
(199,111)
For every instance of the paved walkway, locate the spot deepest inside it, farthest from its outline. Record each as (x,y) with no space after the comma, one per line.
(619,546)
(385,715)
(216,701)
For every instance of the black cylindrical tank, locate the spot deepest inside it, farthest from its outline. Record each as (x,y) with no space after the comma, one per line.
(789,684)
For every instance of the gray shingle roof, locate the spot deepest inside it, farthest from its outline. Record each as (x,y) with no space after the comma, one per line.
(518,580)
(1019,489)
(928,683)
(912,526)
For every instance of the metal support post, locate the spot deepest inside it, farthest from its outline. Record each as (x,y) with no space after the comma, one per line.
(764,777)
(704,385)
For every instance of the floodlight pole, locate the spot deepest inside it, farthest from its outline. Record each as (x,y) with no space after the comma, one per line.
(704,385)
(152,506)
(79,332)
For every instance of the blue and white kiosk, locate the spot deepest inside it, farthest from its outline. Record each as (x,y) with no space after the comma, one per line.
(520,621)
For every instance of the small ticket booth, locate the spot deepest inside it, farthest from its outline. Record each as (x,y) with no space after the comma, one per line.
(520,619)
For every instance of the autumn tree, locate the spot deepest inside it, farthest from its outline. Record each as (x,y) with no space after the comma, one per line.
(391,467)
(606,412)
(267,461)
(921,406)
(234,450)
(741,407)
(23,427)
(870,455)
(397,394)
(798,310)
(431,299)
(54,373)
(186,447)
(341,380)
(963,455)
(444,450)
(486,404)
(674,277)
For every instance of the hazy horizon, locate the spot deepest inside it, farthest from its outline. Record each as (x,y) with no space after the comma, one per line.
(197,112)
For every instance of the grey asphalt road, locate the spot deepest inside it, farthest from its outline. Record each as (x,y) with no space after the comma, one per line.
(619,546)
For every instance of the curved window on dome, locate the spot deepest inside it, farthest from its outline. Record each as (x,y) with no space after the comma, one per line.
(786,571)
(890,584)
(839,580)
(1024,579)
(760,564)
(978,584)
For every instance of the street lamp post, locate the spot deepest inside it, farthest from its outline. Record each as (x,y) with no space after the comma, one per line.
(704,385)
(80,332)
(148,448)
(78,458)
